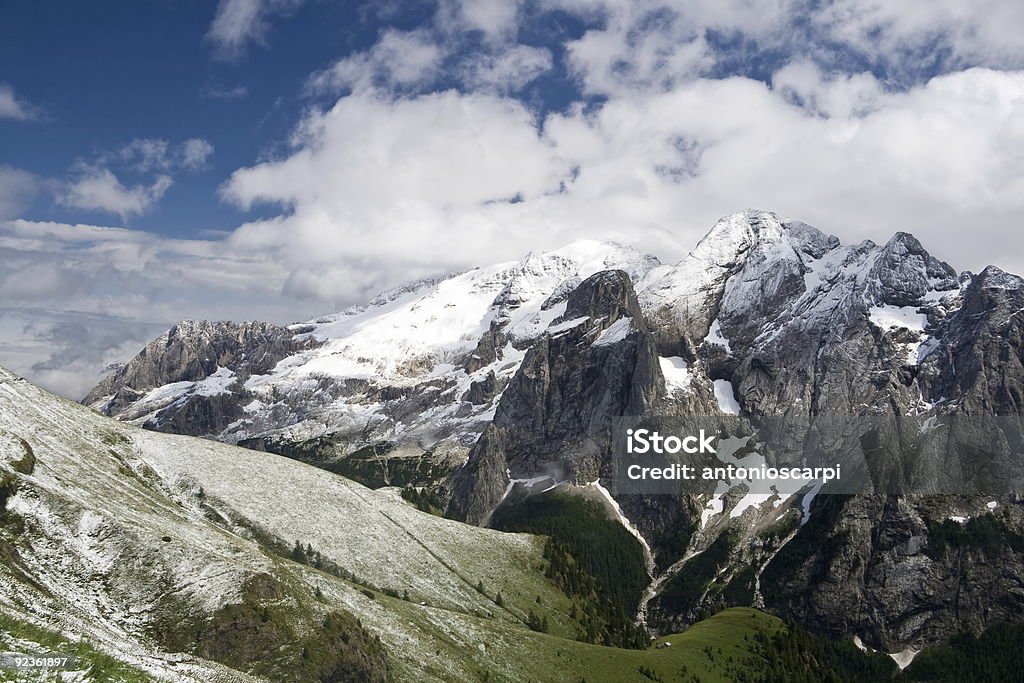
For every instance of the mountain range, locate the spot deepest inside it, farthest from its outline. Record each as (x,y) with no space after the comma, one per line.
(490,396)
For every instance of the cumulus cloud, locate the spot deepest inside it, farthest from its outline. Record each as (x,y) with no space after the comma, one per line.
(507,71)
(98,189)
(240,22)
(93,186)
(194,153)
(654,44)
(372,192)
(13,107)
(496,20)
(400,59)
(957,33)
(373,195)
(703,108)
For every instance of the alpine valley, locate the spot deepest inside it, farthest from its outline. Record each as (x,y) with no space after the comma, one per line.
(418,488)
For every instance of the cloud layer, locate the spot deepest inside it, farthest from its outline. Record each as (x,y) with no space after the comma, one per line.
(436,149)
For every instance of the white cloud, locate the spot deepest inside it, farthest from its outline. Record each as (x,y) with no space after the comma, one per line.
(645,45)
(393,182)
(194,153)
(379,190)
(145,155)
(984,32)
(17,188)
(227,93)
(98,189)
(651,45)
(13,107)
(400,59)
(497,20)
(383,189)
(93,186)
(803,83)
(239,22)
(507,71)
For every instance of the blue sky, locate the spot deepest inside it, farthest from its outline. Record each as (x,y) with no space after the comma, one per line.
(104,74)
(278,159)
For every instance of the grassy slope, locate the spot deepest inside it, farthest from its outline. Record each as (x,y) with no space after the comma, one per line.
(104,496)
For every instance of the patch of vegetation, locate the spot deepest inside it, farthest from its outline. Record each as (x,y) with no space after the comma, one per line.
(370,465)
(992,657)
(268,634)
(984,534)
(305,554)
(794,656)
(424,500)
(684,591)
(740,589)
(674,541)
(112,438)
(8,487)
(814,547)
(26,464)
(589,556)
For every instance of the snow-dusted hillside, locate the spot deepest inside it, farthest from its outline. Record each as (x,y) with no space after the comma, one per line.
(113,534)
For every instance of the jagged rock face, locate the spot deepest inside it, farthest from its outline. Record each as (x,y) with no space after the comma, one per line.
(215,358)
(978,367)
(801,325)
(596,362)
(795,321)
(898,572)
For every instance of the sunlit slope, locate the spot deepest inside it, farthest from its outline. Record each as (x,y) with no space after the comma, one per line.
(120,536)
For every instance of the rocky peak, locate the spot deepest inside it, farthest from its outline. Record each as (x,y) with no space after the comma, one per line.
(732,236)
(606,296)
(994,277)
(596,362)
(905,272)
(193,351)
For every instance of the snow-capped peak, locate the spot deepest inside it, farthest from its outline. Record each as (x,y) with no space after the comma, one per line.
(734,234)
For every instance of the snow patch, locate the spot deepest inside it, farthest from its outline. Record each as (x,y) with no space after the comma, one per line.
(726,397)
(676,372)
(616,332)
(715,506)
(567,325)
(751,500)
(806,502)
(715,337)
(903,658)
(892,317)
